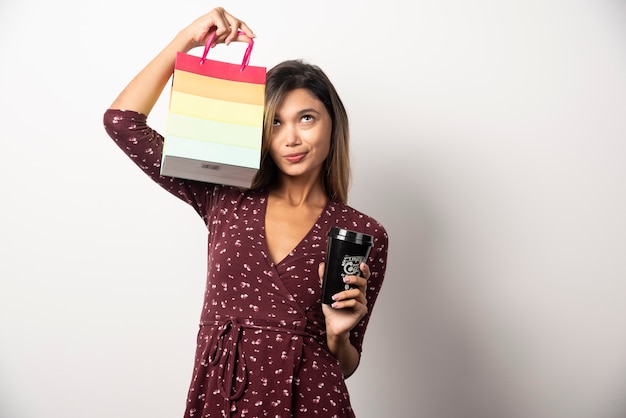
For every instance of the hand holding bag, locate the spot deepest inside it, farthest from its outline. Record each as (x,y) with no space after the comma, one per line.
(215,120)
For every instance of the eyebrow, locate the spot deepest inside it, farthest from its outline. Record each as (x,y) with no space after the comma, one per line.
(301,112)
(308,110)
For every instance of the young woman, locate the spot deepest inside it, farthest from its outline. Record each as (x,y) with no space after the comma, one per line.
(267,346)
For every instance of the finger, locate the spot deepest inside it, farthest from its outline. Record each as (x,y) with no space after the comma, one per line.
(245,29)
(227,28)
(320,271)
(239,35)
(365,269)
(356,281)
(350,294)
(233,34)
(234,24)
(243,37)
(353,304)
(221,24)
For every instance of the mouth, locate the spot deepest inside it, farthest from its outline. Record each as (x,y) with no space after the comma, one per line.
(294,158)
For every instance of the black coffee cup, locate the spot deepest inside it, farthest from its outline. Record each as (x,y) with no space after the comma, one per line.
(345,252)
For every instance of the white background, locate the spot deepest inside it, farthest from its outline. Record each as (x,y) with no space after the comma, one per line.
(489,137)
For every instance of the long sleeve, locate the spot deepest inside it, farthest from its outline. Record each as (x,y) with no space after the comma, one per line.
(144,146)
(377,263)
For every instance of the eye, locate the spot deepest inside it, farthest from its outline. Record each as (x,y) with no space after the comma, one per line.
(276,122)
(307,118)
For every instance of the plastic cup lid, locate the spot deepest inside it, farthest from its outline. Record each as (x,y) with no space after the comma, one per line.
(351,236)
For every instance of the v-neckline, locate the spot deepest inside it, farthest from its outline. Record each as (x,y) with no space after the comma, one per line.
(315,225)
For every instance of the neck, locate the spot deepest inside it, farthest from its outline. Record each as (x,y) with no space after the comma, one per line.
(297,192)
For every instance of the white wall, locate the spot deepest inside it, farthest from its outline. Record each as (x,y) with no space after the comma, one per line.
(489,137)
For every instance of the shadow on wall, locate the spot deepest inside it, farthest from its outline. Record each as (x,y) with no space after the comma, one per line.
(444,363)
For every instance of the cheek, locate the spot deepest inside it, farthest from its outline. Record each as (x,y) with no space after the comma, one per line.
(325,150)
(325,145)
(272,149)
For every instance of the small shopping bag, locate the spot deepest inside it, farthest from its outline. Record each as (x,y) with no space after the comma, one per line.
(215,120)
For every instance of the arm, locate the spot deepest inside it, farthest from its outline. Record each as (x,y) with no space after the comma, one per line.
(349,309)
(144,89)
(126,120)
(344,351)
(347,320)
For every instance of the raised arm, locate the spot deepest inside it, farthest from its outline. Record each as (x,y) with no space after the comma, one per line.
(145,88)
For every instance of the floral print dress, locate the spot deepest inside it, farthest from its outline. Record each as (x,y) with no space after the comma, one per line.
(261,346)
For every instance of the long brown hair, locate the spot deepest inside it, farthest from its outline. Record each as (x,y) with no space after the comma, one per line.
(295,74)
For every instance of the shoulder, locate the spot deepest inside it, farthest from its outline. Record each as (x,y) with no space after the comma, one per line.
(350,218)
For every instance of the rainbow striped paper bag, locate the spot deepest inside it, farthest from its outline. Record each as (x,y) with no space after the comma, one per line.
(215,120)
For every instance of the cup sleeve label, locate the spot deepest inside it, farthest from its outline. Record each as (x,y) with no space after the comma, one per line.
(351,263)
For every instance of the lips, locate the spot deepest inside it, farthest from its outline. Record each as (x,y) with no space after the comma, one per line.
(294,158)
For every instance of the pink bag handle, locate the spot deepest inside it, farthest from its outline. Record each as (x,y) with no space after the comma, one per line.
(246,55)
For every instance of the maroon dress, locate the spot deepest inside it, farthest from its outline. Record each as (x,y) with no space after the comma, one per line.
(261,347)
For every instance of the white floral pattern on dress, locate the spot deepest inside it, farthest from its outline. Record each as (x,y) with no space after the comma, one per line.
(261,348)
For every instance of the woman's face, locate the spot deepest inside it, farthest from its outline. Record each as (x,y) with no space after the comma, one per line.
(300,139)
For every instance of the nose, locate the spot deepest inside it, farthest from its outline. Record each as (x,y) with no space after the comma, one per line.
(292,138)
